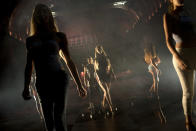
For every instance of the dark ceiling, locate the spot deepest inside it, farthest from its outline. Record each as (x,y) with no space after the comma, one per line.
(7,7)
(76,16)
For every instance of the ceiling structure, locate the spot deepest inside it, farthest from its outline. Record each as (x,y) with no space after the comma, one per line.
(84,21)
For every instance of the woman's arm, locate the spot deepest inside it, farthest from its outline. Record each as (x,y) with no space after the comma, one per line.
(168,34)
(167,24)
(85,73)
(153,64)
(70,64)
(158,71)
(28,73)
(110,69)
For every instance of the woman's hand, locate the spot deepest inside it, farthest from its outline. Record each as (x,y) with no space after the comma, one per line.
(182,64)
(26,94)
(82,92)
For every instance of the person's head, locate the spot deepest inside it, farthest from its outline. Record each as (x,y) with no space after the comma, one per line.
(175,3)
(42,20)
(90,60)
(99,49)
(156,60)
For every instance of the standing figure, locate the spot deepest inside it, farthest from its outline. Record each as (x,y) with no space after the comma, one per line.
(90,82)
(43,48)
(104,74)
(153,61)
(178,26)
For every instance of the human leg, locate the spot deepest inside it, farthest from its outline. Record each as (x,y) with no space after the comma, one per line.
(47,107)
(153,87)
(186,78)
(100,84)
(104,95)
(108,96)
(59,119)
(60,102)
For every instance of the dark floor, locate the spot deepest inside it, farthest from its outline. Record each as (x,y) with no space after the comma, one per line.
(136,109)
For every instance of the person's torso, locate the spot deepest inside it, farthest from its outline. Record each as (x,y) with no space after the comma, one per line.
(45,53)
(152,69)
(102,62)
(183,29)
(90,72)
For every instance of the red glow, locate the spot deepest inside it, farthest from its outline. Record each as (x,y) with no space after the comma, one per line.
(82,74)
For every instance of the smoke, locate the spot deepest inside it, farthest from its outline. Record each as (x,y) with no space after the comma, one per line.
(12,78)
(87,24)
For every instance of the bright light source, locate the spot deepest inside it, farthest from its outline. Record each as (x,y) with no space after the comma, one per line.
(119,3)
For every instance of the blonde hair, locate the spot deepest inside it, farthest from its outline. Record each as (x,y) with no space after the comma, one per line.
(99,48)
(151,55)
(42,20)
(147,56)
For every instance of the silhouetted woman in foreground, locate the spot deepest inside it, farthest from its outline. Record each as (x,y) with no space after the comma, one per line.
(43,48)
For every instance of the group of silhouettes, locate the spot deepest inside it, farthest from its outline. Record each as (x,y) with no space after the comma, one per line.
(97,76)
(43,57)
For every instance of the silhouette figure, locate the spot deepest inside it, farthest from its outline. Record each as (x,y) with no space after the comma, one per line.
(43,47)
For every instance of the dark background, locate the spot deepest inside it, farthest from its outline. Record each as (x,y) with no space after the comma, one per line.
(124,32)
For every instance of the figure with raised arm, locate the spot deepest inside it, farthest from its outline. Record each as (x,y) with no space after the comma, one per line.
(104,75)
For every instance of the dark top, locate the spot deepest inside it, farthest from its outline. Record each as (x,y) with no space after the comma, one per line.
(183,28)
(102,61)
(90,73)
(44,50)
